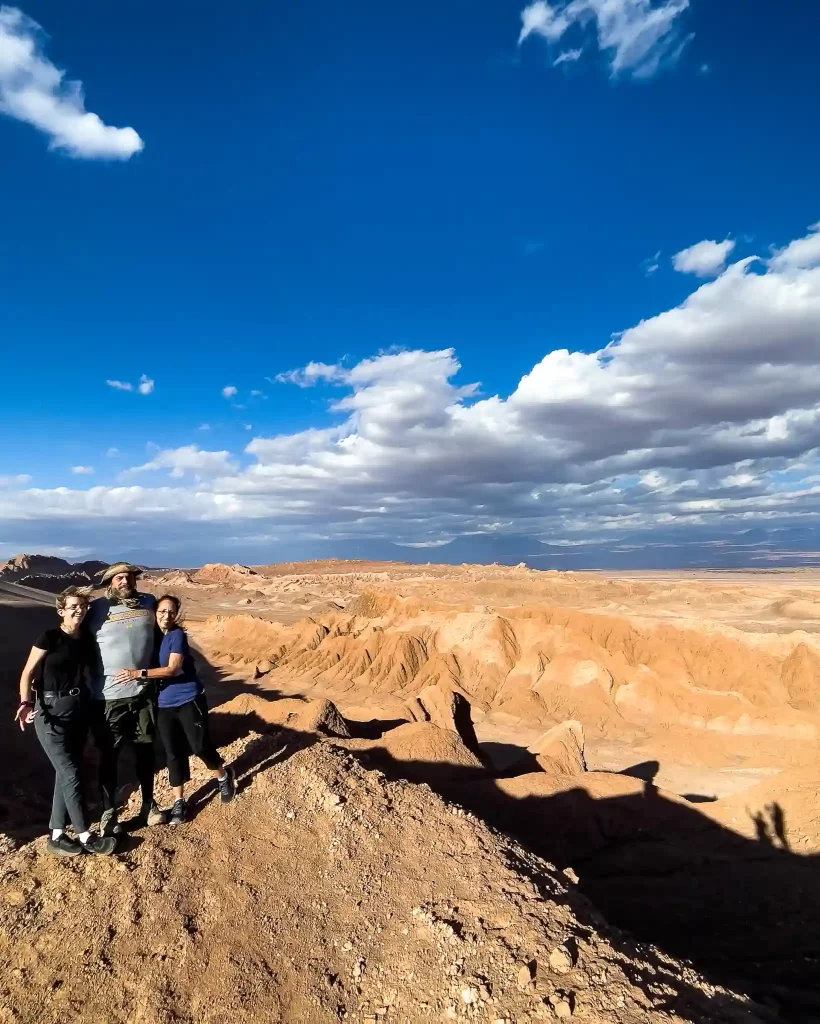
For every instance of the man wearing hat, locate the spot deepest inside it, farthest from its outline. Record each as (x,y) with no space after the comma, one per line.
(123,625)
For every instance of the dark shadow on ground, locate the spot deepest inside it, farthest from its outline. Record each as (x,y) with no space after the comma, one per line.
(508,759)
(744,911)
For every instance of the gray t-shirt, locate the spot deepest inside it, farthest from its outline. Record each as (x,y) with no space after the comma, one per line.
(125,638)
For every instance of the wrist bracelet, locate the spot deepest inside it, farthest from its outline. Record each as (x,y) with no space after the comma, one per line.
(26,703)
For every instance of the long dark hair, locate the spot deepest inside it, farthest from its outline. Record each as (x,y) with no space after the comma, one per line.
(177,603)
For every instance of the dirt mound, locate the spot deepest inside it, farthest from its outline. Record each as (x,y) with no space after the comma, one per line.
(218,573)
(175,578)
(423,752)
(448,709)
(560,751)
(307,900)
(309,716)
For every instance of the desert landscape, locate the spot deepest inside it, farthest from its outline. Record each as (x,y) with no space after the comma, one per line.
(478,792)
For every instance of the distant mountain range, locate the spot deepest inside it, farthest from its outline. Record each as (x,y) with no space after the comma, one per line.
(46,572)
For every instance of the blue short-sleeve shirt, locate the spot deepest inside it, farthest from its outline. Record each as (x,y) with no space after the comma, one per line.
(178,689)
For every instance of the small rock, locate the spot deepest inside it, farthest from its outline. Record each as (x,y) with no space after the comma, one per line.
(561,960)
(470,995)
(525,976)
(570,875)
(561,1004)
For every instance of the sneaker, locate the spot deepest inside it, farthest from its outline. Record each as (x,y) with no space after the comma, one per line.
(104,845)
(147,815)
(227,786)
(178,812)
(65,846)
(110,824)
(154,815)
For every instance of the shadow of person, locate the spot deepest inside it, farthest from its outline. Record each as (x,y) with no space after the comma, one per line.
(646,771)
(743,910)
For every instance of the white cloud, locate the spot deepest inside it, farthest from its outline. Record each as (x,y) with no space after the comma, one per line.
(704,417)
(189,459)
(704,259)
(652,265)
(311,374)
(112,452)
(567,57)
(33,90)
(637,36)
(15,480)
(144,387)
(800,254)
(82,470)
(230,391)
(204,426)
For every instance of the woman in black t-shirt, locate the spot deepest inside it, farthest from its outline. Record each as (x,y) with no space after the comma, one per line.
(66,656)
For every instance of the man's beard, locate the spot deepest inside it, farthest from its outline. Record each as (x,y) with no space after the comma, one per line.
(131,600)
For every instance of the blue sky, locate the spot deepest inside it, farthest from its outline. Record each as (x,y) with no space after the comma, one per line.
(426,209)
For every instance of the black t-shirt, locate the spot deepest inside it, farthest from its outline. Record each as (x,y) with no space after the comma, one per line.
(66,660)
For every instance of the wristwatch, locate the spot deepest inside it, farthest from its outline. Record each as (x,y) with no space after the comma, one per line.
(143,673)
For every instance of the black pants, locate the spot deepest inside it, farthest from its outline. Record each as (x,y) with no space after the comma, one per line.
(184,731)
(61,725)
(127,722)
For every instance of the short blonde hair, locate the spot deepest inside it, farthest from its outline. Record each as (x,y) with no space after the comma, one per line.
(83,593)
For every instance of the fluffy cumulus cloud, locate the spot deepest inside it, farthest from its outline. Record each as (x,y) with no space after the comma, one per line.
(33,90)
(637,36)
(704,259)
(703,421)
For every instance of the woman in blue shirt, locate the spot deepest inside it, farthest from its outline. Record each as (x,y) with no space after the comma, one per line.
(182,714)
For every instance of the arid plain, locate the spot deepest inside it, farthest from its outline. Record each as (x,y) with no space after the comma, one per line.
(652,735)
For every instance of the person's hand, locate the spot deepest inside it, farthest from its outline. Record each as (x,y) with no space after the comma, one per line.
(125,675)
(25,715)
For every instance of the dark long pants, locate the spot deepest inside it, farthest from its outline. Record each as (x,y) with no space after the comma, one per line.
(127,722)
(61,725)
(184,731)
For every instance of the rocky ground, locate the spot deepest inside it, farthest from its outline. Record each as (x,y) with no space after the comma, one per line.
(324,893)
(653,736)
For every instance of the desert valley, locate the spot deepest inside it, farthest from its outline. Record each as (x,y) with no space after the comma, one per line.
(458,780)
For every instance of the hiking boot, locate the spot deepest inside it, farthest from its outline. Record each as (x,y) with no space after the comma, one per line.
(110,824)
(104,845)
(154,815)
(149,814)
(64,846)
(179,812)
(227,786)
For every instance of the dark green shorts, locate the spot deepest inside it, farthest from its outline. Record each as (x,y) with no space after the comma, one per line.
(132,719)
